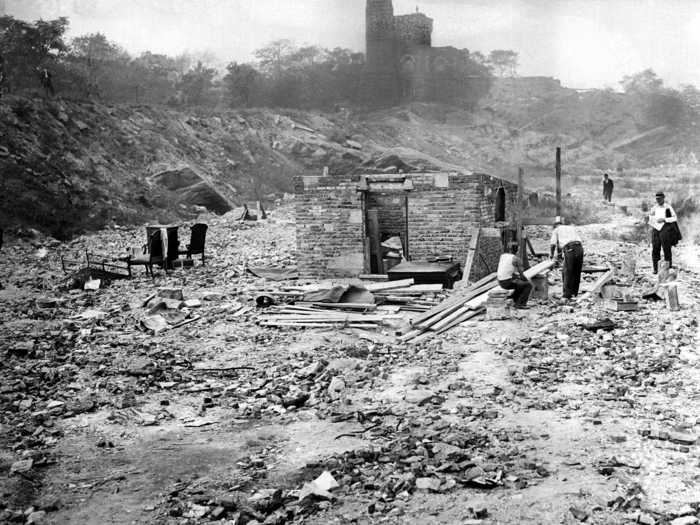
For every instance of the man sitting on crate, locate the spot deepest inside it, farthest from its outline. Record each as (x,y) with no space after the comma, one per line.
(511,277)
(566,240)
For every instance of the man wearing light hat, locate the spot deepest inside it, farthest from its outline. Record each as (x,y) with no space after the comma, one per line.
(665,232)
(566,240)
(511,277)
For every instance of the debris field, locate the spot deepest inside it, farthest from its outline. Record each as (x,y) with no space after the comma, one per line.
(182,399)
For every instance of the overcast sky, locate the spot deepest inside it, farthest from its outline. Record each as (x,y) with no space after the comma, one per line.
(585,43)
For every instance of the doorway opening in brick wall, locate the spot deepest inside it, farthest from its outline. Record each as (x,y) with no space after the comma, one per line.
(386,229)
(500,205)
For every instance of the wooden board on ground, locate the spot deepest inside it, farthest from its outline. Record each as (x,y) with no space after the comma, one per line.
(389,285)
(596,286)
(471,252)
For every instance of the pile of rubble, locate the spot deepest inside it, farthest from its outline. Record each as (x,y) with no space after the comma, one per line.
(415,431)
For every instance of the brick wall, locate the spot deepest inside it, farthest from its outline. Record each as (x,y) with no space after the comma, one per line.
(490,186)
(329,216)
(442,210)
(490,245)
(488,252)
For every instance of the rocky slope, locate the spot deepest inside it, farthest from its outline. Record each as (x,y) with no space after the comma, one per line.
(69,167)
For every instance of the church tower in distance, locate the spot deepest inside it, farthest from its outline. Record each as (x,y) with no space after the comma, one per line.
(380,86)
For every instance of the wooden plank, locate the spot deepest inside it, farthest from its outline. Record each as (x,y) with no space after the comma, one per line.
(340,306)
(595,269)
(421,288)
(557,174)
(537,221)
(322,325)
(460,320)
(325,317)
(374,277)
(427,323)
(457,299)
(367,254)
(596,286)
(412,290)
(375,243)
(459,312)
(410,335)
(389,285)
(519,230)
(471,253)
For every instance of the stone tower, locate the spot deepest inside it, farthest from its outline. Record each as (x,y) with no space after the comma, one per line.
(380,86)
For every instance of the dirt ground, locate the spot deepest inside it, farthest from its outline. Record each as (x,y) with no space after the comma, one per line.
(533,419)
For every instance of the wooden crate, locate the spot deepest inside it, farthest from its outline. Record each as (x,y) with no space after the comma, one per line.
(621,306)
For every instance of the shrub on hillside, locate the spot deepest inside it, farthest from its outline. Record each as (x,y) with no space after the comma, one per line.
(574,211)
(686,207)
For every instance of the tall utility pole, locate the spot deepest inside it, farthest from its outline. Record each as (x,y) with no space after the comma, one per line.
(558,176)
(520,231)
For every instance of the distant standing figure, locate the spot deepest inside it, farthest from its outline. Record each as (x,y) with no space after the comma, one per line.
(607,188)
(46,80)
(665,233)
(566,240)
(511,277)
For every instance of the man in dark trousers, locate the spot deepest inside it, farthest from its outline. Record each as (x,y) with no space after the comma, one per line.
(511,277)
(607,188)
(46,79)
(566,240)
(664,231)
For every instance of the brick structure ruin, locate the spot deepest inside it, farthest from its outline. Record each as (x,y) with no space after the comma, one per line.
(401,64)
(434,214)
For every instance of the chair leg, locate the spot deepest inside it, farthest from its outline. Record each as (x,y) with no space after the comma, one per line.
(203,258)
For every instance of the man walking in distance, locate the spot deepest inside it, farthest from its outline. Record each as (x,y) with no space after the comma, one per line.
(607,188)
(511,277)
(664,231)
(566,240)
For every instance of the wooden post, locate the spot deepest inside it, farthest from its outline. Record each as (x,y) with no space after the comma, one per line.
(521,238)
(558,176)
(375,243)
(672,297)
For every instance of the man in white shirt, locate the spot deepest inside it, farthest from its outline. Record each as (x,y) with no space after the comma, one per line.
(566,240)
(511,277)
(663,230)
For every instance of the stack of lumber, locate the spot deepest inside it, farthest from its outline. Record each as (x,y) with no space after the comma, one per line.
(412,297)
(460,307)
(325,315)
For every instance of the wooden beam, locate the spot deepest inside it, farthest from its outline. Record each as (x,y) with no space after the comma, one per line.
(471,253)
(520,237)
(389,285)
(558,181)
(375,243)
(538,221)
(596,286)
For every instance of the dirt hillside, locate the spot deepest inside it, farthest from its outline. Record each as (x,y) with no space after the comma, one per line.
(69,167)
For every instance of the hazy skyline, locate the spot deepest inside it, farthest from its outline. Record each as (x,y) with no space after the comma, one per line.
(584,43)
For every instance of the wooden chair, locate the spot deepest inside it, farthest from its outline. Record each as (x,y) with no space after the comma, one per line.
(198,237)
(152,254)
